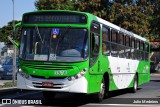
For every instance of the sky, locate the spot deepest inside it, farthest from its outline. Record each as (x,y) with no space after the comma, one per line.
(20,7)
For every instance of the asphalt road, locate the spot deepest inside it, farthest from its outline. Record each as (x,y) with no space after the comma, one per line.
(148,95)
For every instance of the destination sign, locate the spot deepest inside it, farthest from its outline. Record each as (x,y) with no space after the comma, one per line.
(50,18)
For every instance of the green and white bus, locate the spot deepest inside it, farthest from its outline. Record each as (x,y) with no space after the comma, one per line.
(77,52)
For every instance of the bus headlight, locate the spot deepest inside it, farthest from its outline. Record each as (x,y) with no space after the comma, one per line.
(19,70)
(23,74)
(77,76)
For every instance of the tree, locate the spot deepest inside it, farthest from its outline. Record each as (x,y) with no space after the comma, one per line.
(54,5)
(155,28)
(133,16)
(97,7)
(7,30)
(138,16)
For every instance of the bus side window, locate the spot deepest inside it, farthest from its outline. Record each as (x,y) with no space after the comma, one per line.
(133,50)
(105,41)
(142,50)
(114,45)
(146,46)
(94,42)
(127,48)
(121,45)
(137,49)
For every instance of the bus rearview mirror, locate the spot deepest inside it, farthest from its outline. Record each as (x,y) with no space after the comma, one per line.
(13,41)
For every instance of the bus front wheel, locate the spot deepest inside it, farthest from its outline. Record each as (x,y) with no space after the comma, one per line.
(48,95)
(100,96)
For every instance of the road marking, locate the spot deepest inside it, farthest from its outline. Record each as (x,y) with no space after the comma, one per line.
(2,104)
(28,106)
(124,105)
(15,105)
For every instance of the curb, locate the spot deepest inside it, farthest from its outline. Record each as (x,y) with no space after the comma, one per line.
(155,74)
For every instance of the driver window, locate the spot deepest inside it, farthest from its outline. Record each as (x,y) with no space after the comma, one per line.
(94,46)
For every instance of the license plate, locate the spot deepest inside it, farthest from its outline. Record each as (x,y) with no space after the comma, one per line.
(47,84)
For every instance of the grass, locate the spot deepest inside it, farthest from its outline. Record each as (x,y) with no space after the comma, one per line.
(8,84)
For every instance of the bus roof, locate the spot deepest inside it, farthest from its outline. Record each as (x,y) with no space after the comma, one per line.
(107,23)
(41,11)
(120,29)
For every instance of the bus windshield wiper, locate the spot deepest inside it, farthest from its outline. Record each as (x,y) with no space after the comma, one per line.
(37,30)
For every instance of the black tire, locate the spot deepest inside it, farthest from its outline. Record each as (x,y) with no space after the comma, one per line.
(98,97)
(48,95)
(135,85)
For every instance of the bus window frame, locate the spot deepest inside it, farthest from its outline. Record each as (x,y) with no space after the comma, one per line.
(121,34)
(146,50)
(108,40)
(127,44)
(92,62)
(116,32)
(121,46)
(127,47)
(133,49)
(114,43)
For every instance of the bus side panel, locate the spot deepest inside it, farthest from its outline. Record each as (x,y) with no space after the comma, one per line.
(94,83)
(143,72)
(105,68)
(112,85)
(122,72)
(131,84)
(97,72)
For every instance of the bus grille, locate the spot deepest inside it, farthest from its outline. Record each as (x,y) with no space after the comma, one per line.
(42,77)
(49,66)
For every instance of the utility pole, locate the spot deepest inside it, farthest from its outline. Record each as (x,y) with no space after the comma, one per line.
(14,56)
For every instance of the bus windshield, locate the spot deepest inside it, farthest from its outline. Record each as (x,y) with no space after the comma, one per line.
(54,44)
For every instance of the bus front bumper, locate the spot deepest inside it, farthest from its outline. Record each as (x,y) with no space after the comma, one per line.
(60,85)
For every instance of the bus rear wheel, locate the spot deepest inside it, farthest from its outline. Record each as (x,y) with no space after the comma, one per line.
(135,85)
(48,95)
